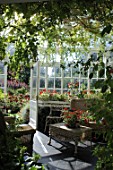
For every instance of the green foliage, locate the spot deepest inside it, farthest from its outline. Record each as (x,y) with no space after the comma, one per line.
(53,96)
(12,154)
(103,109)
(69,22)
(70,118)
(94,95)
(22,90)
(2,96)
(15,100)
(60,23)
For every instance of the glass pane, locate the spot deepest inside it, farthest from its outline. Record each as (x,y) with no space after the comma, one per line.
(65,90)
(34,94)
(42,71)
(83,84)
(75,72)
(57,72)
(76,80)
(94,72)
(94,56)
(51,72)
(50,83)
(34,71)
(1,80)
(1,68)
(84,57)
(67,72)
(34,82)
(83,73)
(58,91)
(92,83)
(57,83)
(42,83)
(66,82)
(111,56)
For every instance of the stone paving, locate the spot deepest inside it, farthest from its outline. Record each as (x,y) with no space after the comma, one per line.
(59,156)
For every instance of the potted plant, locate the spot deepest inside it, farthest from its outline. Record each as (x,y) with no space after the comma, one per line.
(71,117)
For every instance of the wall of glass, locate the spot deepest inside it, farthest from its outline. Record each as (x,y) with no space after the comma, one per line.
(50,76)
(3,77)
(53,77)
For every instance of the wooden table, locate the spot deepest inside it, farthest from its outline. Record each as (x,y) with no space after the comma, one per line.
(63,133)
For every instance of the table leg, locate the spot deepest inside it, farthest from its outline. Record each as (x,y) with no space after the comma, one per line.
(49,142)
(76,144)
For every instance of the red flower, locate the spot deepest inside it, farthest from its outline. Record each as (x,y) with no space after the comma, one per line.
(73,109)
(65,108)
(71,112)
(54,91)
(86,121)
(68,117)
(41,92)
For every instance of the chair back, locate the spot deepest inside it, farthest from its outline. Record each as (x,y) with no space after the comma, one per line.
(80,104)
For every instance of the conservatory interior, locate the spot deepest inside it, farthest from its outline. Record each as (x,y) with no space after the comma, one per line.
(63,102)
(62,99)
(53,87)
(56,85)
(58,93)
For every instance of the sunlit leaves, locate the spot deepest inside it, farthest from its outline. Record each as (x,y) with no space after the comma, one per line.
(2,48)
(64,21)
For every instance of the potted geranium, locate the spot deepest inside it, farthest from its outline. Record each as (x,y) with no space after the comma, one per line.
(71,117)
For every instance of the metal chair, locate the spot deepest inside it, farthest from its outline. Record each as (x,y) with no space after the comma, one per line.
(54,117)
